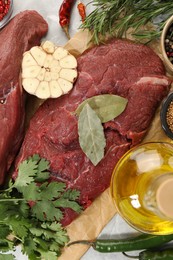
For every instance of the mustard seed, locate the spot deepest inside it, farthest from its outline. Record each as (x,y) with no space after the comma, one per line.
(169,116)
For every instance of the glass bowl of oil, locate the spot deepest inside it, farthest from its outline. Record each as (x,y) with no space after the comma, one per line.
(132,191)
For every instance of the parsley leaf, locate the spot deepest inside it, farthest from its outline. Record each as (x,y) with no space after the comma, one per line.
(71,194)
(31,192)
(19,226)
(42,173)
(45,210)
(52,190)
(62,202)
(27,171)
(6,257)
(5,231)
(47,255)
(31,210)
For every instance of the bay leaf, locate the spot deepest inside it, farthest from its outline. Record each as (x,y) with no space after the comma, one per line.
(91,134)
(106,106)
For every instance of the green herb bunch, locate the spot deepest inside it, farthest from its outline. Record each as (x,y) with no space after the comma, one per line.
(115,17)
(30,212)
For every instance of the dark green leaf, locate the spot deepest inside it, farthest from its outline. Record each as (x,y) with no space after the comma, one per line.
(43,165)
(45,210)
(65,203)
(5,248)
(107,106)
(29,246)
(48,255)
(7,257)
(42,176)
(27,172)
(54,246)
(91,135)
(51,190)
(42,243)
(36,231)
(4,231)
(7,209)
(19,227)
(31,192)
(71,194)
(60,234)
(34,157)
(24,208)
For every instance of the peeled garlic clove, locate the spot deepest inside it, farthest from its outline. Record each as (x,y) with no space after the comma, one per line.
(31,72)
(68,62)
(38,54)
(48,61)
(48,76)
(54,75)
(48,47)
(30,85)
(41,74)
(65,85)
(42,90)
(28,60)
(60,53)
(56,69)
(55,89)
(54,64)
(68,74)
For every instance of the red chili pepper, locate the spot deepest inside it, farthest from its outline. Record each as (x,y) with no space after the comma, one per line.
(64,15)
(82,11)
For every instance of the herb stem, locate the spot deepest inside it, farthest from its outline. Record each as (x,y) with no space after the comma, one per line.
(12,200)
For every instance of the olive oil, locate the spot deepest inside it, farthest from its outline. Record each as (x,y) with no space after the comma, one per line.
(142,187)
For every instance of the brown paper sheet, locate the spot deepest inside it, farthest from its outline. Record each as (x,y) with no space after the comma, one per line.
(89,225)
(91,222)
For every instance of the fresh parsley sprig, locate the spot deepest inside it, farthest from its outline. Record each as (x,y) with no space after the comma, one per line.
(31,212)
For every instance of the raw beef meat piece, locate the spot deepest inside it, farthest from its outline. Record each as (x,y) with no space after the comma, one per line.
(24,31)
(119,67)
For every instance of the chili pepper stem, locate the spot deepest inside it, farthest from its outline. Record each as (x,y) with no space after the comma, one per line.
(65,28)
(130,256)
(84,242)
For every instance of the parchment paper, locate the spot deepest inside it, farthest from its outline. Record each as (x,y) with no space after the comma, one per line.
(103,208)
(91,222)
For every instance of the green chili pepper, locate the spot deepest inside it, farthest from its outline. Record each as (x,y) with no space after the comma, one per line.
(144,241)
(166,254)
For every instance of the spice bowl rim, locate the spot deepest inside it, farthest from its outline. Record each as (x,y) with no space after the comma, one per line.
(7,17)
(166,60)
(163,112)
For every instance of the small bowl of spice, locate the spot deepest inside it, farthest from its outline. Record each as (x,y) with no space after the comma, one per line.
(6,9)
(167,44)
(166,115)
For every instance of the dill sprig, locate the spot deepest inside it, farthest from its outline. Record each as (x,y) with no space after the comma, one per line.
(116,17)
